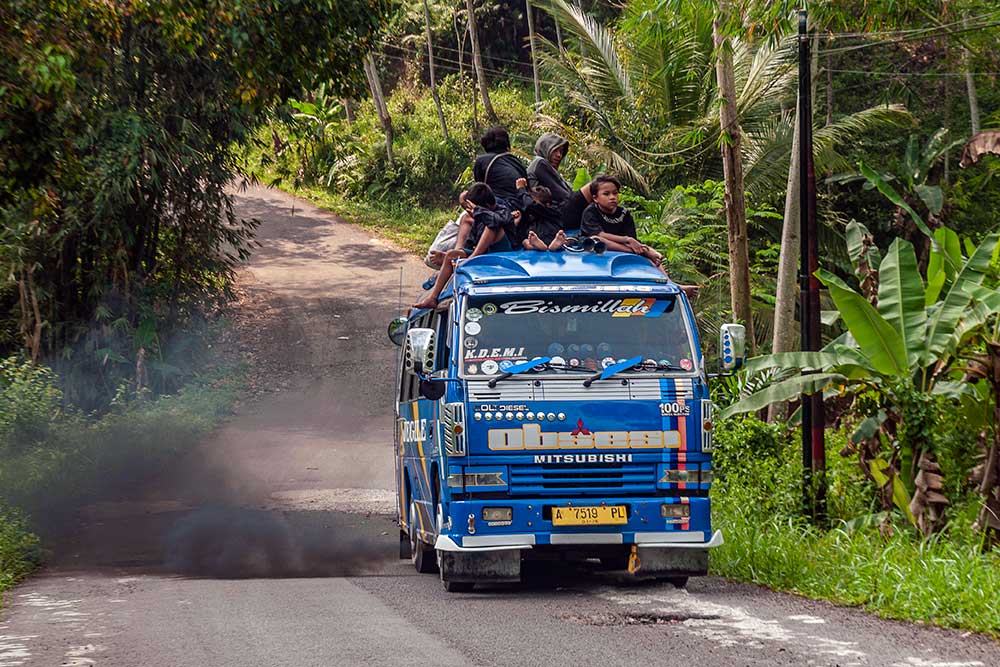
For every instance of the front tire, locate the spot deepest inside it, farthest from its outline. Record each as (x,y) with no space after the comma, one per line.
(421,555)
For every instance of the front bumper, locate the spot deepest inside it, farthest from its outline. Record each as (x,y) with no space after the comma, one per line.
(529,527)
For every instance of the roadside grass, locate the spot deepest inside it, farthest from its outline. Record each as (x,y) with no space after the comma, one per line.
(941,581)
(53,461)
(946,580)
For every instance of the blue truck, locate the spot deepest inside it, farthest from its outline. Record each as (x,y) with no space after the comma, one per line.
(555,405)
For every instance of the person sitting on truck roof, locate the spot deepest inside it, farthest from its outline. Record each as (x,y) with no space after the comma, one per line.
(611,223)
(614,225)
(493,225)
(543,170)
(498,167)
(541,225)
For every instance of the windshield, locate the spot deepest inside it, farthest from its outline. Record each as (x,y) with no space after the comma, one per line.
(580,332)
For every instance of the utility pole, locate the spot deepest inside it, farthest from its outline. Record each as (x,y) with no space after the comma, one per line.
(813,418)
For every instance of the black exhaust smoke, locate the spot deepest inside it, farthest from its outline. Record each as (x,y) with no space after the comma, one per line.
(237,543)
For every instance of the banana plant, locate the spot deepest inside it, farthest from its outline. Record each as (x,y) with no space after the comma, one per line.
(891,360)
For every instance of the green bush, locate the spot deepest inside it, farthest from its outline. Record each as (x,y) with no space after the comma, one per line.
(30,402)
(427,169)
(20,551)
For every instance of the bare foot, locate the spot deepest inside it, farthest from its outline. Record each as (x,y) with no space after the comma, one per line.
(558,242)
(535,242)
(427,303)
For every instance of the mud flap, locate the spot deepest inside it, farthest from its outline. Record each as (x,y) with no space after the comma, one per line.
(659,561)
(495,566)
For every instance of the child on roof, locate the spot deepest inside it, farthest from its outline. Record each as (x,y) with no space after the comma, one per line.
(611,223)
(541,226)
(614,225)
(493,226)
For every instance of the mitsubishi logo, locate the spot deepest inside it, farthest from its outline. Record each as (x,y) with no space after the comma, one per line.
(580,428)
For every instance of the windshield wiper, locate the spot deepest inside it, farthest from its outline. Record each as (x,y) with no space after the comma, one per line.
(518,368)
(613,369)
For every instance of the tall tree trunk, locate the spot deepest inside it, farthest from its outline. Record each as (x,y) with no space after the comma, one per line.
(785,333)
(348,110)
(375,84)
(970,87)
(583,45)
(829,87)
(460,43)
(534,57)
(732,167)
(477,61)
(988,521)
(430,67)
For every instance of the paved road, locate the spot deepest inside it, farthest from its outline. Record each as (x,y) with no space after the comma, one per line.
(291,497)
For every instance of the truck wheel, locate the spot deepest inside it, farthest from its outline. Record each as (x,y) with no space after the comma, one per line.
(678,582)
(421,555)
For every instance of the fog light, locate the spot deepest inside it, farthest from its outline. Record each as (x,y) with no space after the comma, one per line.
(707,476)
(497,513)
(677,476)
(707,425)
(675,511)
(458,429)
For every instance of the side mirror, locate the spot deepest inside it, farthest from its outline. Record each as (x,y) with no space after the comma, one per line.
(432,389)
(732,346)
(397,330)
(419,354)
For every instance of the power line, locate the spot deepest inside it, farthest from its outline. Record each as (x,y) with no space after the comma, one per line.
(901,40)
(889,75)
(911,31)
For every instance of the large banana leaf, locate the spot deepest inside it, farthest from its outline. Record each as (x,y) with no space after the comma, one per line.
(876,338)
(801,360)
(781,392)
(901,298)
(890,193)
(944,320)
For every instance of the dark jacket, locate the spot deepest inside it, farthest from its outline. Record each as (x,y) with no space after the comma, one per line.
(545,221)
(541,171)
(497,218)
(503,173)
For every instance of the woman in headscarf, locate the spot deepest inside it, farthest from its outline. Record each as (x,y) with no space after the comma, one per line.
(550,149)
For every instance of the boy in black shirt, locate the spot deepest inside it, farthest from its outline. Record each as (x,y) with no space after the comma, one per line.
(611,223)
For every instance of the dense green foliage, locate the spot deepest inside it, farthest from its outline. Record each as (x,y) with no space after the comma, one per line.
(121,127)
(19,549)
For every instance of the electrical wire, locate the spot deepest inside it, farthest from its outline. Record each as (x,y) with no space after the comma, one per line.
(889,75)
(887,42)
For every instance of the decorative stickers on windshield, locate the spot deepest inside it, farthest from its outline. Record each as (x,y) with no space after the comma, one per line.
(613,307)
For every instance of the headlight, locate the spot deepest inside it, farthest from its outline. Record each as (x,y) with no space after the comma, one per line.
(678,476)
(459,480)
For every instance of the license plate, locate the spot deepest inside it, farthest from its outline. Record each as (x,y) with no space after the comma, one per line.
(589,516)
